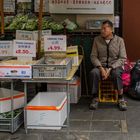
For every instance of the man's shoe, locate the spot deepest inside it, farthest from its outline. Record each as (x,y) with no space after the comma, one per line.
(94,104)
(122,105)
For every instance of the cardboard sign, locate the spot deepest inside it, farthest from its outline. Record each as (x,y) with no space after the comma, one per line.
(16,72)
(9,6)
(72,52)
(45,5)
(6,48)
(44,32)
(24,35)
(24,48)
(55,43)
(24,1)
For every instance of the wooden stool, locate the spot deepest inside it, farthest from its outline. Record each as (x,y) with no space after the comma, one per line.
(107,92)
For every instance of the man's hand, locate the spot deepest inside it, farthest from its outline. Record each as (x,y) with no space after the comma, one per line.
(103,73)
(108,72)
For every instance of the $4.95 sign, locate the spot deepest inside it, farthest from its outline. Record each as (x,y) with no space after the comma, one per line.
(55,43)
(25,48)
(6,48)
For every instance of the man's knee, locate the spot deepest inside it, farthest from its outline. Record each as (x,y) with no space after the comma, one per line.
(95,72)
(116,72)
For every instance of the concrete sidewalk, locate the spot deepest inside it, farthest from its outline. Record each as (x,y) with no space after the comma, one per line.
(106,123)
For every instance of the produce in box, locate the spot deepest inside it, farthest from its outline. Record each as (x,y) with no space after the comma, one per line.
(8,115)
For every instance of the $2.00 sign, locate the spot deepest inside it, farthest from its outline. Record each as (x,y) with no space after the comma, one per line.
(24,48)
(55,43)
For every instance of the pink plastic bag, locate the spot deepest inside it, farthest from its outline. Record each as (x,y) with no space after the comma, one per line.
(126,78)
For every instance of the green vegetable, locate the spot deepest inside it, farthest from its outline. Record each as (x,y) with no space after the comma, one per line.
(31,24)
(8,115)
(23,22)
(55,26)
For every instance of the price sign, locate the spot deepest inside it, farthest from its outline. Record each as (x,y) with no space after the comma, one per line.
(6,48)
(45,5)
(23,0)
(55,43)
(44,32)
(24,35)
(9,6)
(25,48)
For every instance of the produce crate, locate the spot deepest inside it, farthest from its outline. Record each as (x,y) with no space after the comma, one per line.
(47,108)
(15,69)
(4,58)
(6,123)
(5,100)
(52,70)
(74,89)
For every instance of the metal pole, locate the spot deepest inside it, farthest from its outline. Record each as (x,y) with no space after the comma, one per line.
(69,136)
(2,16)
(12,107)
(68,108)
(40,28)
(25,104)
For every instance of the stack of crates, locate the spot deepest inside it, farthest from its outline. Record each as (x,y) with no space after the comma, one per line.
(107,92)
(6,110)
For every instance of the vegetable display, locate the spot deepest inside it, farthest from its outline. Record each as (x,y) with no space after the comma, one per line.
(29,22)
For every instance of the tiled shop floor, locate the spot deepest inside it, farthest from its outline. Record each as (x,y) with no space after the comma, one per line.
(106,123)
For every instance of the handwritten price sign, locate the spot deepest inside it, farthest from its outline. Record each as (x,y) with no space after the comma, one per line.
(6,48)
(25,48)
(55,43)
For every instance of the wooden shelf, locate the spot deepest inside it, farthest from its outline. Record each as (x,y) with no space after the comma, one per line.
(9,14)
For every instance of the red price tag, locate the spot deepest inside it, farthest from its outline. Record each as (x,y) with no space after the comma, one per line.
(22,52)
(54,48)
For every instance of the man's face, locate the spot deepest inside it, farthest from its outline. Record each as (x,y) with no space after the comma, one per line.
(106,30)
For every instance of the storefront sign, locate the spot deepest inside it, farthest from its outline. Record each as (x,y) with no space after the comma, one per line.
(55,43)
(6,48)
(82,6)
(24,48)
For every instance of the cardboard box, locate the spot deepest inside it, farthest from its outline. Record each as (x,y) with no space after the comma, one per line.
(15,69)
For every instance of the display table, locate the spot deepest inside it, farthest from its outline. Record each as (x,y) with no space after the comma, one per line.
(53,80)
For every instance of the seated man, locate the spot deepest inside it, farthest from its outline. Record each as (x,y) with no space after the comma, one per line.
(108,56)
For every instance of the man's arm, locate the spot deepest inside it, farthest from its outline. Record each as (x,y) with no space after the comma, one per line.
(94,55)
(122,56)
(95,61)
